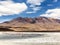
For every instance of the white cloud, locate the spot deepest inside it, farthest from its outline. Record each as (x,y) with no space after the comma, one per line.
(8,7)
(35,9)
(29,12)
(35,2)
(53,13)
(33,5)
(49,4)
(55,0)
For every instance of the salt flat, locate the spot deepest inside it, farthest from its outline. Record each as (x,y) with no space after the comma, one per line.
(30,38)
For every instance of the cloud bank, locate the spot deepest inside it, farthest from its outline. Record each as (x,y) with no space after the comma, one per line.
(8,7)
(53,13)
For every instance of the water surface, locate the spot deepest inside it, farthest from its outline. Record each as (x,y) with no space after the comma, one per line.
(29,38)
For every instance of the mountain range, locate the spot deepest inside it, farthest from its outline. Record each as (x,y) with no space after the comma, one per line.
(31,24)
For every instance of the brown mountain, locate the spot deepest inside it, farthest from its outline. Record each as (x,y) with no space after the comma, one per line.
(32,24)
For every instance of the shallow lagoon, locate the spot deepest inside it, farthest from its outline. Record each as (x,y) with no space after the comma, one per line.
(29,38)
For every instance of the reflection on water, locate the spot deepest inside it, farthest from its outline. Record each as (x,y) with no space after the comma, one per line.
(12,38)
(18,36)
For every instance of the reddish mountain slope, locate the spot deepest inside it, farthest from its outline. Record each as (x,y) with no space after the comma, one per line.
(32,24)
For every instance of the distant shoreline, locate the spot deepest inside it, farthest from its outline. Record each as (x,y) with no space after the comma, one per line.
(29,31)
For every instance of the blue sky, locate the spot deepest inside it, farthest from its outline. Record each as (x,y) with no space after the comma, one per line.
(10,9)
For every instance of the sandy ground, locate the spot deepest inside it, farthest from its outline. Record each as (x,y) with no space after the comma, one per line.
(29,38)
